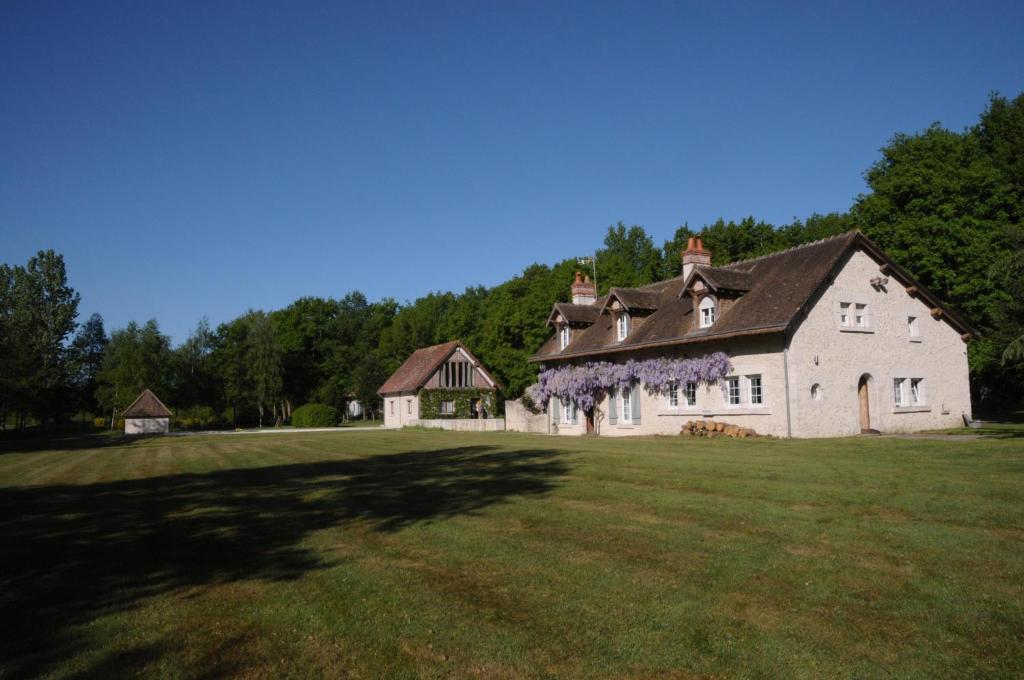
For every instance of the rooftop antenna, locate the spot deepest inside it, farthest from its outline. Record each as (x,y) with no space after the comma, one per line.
(592,261)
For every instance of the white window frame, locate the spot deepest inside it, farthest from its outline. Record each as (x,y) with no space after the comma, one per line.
(690,395)
(445,411)
(622,326)
(899,391)
(568,412)
(673,395)
(845,318)
(731,382)
(860,315)
(625,406)
(564,335)
(917,392)
(760,390)
(914,327)
(707,311)
(853,313)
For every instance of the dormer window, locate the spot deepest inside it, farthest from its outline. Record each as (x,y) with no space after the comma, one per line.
(564,335)
(623,326)
(707,312)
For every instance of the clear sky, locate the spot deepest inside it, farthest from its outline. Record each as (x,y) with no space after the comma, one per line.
(194,159)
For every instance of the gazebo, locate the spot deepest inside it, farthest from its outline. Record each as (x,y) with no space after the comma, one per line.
(147,415)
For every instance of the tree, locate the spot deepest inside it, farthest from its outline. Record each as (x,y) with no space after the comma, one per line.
(264,356)
(87,351)
(136,358)
(628,258)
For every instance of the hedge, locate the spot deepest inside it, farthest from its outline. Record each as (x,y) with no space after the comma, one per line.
(315,415)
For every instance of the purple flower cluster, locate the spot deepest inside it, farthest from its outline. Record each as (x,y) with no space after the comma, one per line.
(583,383)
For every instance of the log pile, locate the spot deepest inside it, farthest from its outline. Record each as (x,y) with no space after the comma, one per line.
(712,428)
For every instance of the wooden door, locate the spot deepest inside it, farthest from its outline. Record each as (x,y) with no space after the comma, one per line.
(865,407)
(590,421)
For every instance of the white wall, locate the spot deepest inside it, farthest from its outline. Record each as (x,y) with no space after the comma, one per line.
(400,409)
(147,425)
(886,352)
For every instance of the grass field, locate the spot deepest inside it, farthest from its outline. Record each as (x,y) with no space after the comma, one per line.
(430,554)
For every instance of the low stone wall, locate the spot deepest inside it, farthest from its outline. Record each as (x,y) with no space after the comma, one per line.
(461,424)
(520,419)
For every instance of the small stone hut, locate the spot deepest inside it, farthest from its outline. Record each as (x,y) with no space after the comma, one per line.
(147,415)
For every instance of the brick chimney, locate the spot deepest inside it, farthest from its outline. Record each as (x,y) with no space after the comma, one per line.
(584,292)
(694,255)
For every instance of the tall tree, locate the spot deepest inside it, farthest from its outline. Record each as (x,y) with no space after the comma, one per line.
(87,350)
(264,357)
(136,358)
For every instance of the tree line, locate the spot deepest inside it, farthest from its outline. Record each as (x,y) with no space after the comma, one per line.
(946,205)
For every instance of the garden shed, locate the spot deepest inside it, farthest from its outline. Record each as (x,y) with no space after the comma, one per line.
(147,415)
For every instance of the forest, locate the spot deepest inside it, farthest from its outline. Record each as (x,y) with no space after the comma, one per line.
(947,205)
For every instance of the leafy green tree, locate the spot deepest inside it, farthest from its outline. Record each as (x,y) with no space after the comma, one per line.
(628,258)
(87,351)
(136,358)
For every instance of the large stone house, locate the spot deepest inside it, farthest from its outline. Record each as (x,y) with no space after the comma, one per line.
(440,386)
(826,339)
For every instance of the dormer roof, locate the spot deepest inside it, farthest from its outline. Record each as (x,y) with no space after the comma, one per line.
(575,314)
(721,278)
(634,299)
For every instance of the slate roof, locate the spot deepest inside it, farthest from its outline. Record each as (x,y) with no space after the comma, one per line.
(147,405)
(779,288)
(421,364)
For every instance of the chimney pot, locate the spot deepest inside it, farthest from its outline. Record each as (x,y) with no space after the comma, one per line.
(584,292)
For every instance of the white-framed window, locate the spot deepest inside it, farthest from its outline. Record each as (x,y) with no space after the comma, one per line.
(564,334)
(755,391)
(898,391)
(844,313)
(691,394)
(447,408)
(623,326)
(626,405)
(568,412)
(860,315)
(673,394)
(913,328)
(916,392)
(732,391)
(707,312)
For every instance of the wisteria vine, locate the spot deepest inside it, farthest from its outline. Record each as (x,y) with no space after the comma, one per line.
(583,383)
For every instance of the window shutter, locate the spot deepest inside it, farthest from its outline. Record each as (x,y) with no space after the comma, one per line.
(575,415)
(613,416)
(558,409)
(634,398)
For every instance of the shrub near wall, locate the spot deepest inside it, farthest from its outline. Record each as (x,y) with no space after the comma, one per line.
(430,402)
(315,415)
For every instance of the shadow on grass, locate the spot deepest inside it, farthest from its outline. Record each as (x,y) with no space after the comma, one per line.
(34,442)
(71,553)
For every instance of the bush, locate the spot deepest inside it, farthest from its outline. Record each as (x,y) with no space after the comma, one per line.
(315,415)
(100,423)
(195,418)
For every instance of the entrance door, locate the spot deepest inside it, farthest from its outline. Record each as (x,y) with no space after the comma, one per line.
(590,421)
(865,407)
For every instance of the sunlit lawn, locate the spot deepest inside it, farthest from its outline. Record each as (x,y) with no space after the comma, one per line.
(429,554)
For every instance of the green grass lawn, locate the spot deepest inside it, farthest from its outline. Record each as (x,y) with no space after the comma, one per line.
(432,554)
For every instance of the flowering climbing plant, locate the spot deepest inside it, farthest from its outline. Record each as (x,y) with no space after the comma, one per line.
(583,383)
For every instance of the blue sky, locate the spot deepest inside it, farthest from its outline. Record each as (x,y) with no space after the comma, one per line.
(196,159)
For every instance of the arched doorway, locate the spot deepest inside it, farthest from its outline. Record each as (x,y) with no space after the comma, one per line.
(864,401)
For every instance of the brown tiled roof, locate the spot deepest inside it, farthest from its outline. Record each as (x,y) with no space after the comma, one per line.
(575,314)
(725,278)
(421,364)
(779,288)
(147,406)
(636,298)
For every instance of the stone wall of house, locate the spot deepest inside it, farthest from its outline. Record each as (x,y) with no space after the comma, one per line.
(400,409)
(757,355)
(461,424)
(825,354)
(147,425)
(520,419)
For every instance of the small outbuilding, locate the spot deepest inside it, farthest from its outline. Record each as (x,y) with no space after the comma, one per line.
(147,415)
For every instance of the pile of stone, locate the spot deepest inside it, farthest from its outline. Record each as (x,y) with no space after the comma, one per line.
(712,428)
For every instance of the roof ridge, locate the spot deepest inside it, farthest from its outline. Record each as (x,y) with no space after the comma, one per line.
(845,234)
